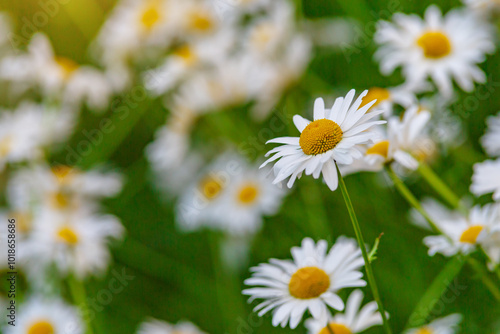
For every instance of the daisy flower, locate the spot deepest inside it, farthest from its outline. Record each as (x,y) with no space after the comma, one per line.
(39,315)
(354,320)
(154,326)
(333,137)
(491,139)
(463,233)
(446,325)
(486,179)
(483,7)
(438,47)
(309,282)
(386,98)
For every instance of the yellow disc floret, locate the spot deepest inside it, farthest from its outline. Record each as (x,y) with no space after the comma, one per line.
(200,21)
(425,330)
(210,187)
(380,148)
(320,136)
(68,236)
(375,93)
(248,193)
(41,327)
(470,235)
(308,282)
(335,329)
(151,15)
(434,44)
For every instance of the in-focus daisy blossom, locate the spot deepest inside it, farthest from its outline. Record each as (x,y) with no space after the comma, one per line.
(309,282)
(154,326)
(445,325)
(333,137)
(46,316)
(438,47)
(486,179)
(491,139)
(353,320)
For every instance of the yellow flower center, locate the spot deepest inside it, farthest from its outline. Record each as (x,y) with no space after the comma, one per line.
(23,221)
(248,193)
(335,329)
(41,327)
(375,93)
(320,136)
(308,282)
(470,235)
(68,236)
(67,66)
(380,148)
(185,53)
(434,44)
(5,146)
(62,173)
(61,199)
(151,15)
(201,21)
(425,330)
(210,187)
(262,35)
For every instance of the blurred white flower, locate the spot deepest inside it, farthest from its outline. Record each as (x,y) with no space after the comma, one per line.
(41,315)
(333,137)
(486,179)
(484,8)
(309,282)
(491,139)
(388,97)
(153,326)
(438,47)
(445,325)
(353,320)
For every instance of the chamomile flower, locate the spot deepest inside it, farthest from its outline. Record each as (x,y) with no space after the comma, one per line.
(486,179)
(154,326)
(38,315)
(354,320)
(483,7)
(74,242)
(491,139)
(461,234)
(438,47)
(333,137)
(309,282)
(445,325)
(386,98)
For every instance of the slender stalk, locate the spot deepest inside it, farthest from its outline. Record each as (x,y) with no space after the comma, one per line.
(478,267)
(79,296)
(411,199)
(361,242)
(439,186)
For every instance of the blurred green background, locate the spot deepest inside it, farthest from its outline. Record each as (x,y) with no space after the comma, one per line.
(178,276)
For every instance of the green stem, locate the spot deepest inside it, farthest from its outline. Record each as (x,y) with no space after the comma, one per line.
(79,296)
(478,267)
(361,242)
(438,185)
(410,198)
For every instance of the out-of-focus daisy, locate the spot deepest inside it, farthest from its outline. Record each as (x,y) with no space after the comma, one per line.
(74,241)
(491,139)
(486,179)
(40,315)
(154,326)
(309,282)
(333,137)
(386,98)
(483,7)
(462,233)
(26,131)
(438,47)
(353,320)
(445,325)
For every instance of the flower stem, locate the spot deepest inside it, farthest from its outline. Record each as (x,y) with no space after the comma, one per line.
(368,266)
(410,198)
(439,186)
(478,267)
(77,291)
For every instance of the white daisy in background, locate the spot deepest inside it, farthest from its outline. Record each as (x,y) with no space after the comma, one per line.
(484,8)
(38,315)
(26,131)
(333,137)
(386,98)
(154,326)
(74,242)
(58,77)
(353,320)
(461,234)
(442,48)
(491,139)
(486,179)
(445,325)
(309,282)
